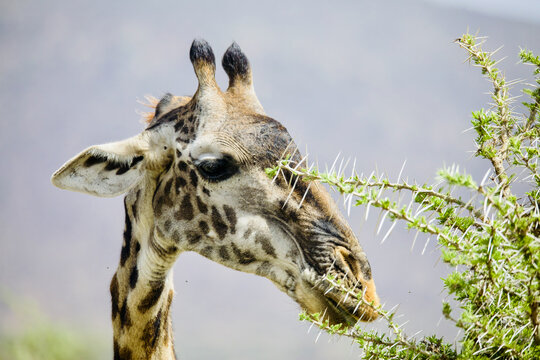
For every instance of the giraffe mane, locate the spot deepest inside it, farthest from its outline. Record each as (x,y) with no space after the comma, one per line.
(150,102)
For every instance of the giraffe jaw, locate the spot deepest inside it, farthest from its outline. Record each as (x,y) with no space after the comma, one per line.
(312,290)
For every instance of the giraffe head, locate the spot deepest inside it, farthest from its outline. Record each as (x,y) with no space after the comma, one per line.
(196,178)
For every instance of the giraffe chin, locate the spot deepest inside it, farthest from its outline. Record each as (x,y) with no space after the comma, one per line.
(338,308)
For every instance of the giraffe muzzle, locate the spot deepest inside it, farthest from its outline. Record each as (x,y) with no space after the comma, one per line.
(344,291)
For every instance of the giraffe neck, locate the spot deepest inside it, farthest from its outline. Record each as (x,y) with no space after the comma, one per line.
(142,287)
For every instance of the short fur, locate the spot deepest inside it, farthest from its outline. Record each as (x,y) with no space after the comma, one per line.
(194,180)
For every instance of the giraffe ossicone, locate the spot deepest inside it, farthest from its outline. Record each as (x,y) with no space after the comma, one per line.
(195,180)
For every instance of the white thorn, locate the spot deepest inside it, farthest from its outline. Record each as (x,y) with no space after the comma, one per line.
(401,171)
(334,164)
(305,194)
(318,336)
(414,240)
(389,231)
(290,194)
(300,162)
(349,205)
(425,246)
(367,209)
(381,223)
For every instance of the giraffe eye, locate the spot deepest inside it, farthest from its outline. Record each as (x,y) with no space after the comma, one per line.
(217,169)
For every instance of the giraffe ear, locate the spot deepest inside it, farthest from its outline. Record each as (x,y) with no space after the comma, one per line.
(104,170)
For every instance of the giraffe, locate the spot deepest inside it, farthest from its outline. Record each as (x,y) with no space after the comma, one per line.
(194,180)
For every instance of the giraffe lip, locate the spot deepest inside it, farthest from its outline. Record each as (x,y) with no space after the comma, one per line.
(339,307)
(319,296)
(347,317)
(350,307)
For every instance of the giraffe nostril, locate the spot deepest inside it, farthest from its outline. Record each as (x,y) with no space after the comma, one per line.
(348,263)
(358,271)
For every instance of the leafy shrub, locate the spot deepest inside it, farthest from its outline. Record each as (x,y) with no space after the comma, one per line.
(489,232)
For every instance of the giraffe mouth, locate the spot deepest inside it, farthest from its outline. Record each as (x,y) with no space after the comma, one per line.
(336,311)
(351,307)
(316,294)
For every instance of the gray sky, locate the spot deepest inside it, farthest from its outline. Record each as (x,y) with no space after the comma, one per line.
(378,81)
(521,10)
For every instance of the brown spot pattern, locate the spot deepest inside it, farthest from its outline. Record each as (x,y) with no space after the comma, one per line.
(193,237)
(114,296)
(204,227)
(224,253)
(179,124)
(180,183)
(182,166)
(194,178)
(176,236)
(207,251)
(218,223)
(167,325)
(121,353)
(125,318)
(158,206)
(133,277)
(152,297)
(151,334)
(135,205)
(124,254)
(167,189)
(230,214)
(244,257)
(167,225)
(266,244)
(186,209)
(201,205)
(263,269)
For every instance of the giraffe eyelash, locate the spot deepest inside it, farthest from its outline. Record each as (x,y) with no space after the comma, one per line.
(217,169)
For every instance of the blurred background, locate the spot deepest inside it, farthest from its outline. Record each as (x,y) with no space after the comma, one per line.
(381,82)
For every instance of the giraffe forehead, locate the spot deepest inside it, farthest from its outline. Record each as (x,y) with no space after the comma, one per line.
(246,135)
